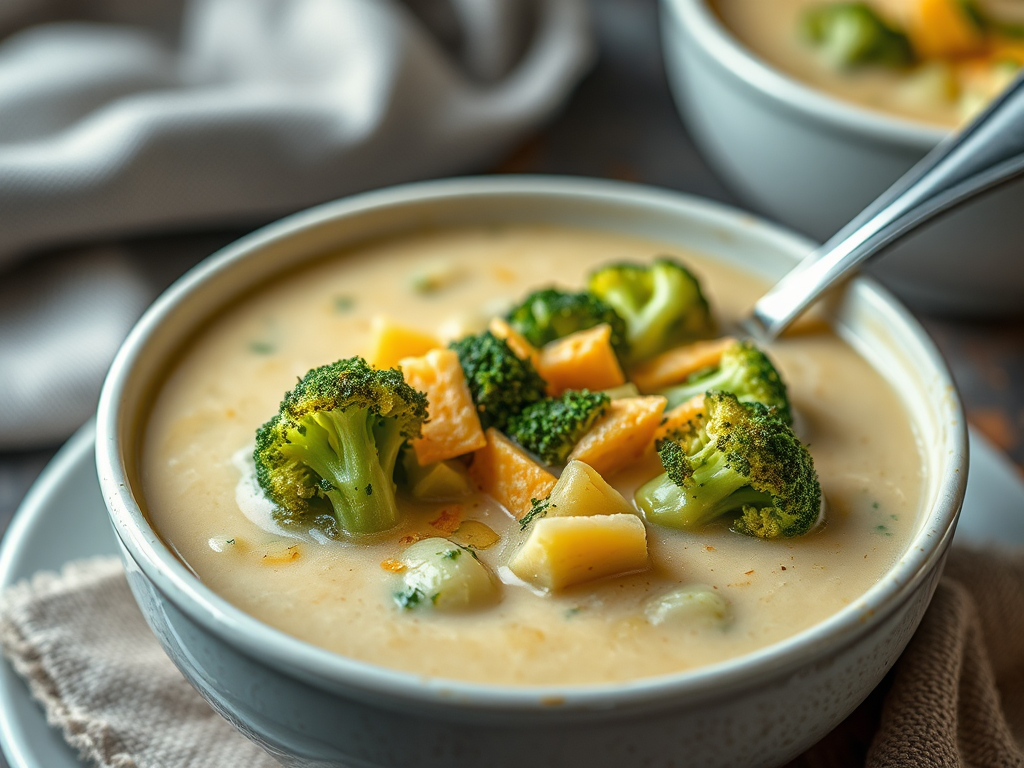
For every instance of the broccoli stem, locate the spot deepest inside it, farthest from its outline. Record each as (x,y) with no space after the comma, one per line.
(713,490)
(717,378)
(354,452)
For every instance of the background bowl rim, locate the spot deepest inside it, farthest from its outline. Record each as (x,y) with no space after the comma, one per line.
(333,672)
(718,43)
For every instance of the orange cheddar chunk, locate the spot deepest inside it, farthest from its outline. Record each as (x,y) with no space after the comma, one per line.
(453,428)
(520,347)
(622,435)
(581,360)
(504,472)
(943,29)
(679,363)
(392,342)
(680,416)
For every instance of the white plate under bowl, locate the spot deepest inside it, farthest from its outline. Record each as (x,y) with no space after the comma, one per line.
(63,518)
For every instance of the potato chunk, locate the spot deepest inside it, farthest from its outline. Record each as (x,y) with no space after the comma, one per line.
(507,474)
(453,428)
(581,360)
(391,342)
(581,491)
(444,576)
(621,436)
(694,607)
(439,481)
(562,551)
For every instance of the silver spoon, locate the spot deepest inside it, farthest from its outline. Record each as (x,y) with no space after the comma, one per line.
(987,152)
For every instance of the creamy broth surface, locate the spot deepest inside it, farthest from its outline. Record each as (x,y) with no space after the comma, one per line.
(337,595)
(770,29)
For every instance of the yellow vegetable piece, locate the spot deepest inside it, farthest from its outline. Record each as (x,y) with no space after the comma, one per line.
(679,363)
(562,551)
(621,436)
(454,426)
(943,29)
(439,481)
(692,607)
(507,474)
(276,553)
(520,347)
(391,342)
(1006,52)
(581,491)
(680,416)
(474,534)
(581,360)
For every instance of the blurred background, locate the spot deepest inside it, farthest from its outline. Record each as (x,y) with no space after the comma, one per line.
(85,245)
(82,251)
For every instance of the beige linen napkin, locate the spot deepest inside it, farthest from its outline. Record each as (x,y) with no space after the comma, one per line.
(955,699)
(80,642)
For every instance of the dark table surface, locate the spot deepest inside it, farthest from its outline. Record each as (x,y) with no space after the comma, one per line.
(621,123)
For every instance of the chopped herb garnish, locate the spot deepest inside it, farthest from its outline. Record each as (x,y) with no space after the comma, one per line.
(572,612)
(450,554)
(881,529)
(261,347)
(538,508)
(343,303)
(409,598)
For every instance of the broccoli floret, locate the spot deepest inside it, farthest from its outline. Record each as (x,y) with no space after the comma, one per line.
(662,304)
(328,456)
(743,370)
(552,427)
(550,314)
(853,34)
(741,458)
(501,383)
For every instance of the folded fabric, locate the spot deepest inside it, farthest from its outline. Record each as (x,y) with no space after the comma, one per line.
(167,115)
(264,106)
(955,698)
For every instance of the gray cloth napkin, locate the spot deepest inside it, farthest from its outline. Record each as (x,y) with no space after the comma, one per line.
(954,699)
(162,115)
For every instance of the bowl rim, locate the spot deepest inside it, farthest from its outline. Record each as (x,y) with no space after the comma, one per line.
(719,43)
(331,671)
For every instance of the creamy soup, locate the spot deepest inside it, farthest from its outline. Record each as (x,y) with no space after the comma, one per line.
(944,86)
(336,594)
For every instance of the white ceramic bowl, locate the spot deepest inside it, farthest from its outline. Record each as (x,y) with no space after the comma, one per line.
(310,707)
(813,161)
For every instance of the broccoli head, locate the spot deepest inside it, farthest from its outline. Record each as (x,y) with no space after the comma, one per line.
(741,459)
(853,34)
(501,383)
(662,304)
(328,456)
(552,427)
(550,314)
(743,370)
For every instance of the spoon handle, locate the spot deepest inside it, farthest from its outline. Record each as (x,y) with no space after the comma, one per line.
(983,154)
